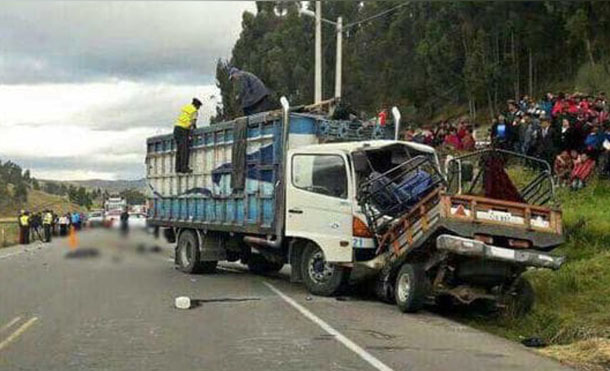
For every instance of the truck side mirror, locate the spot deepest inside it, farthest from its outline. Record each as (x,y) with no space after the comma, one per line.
(361,163)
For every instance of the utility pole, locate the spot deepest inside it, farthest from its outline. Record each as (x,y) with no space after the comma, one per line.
(318,66)
(338,57)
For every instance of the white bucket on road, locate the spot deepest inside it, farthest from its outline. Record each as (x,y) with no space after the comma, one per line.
(183,302)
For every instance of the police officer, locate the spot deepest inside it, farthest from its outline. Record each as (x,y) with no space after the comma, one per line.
(47,220)
(24,227)
(182,129)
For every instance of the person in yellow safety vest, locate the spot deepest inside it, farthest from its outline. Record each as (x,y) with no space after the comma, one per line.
(47,220)
(182,129)
(24,227)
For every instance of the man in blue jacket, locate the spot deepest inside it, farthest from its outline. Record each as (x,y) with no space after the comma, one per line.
(253,95)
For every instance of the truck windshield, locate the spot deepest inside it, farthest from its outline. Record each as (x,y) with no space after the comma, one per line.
(322,174)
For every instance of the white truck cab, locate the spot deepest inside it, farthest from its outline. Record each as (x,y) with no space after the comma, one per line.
(321,194)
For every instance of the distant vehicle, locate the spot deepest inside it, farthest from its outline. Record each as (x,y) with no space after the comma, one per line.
(137,220)
(95,218)
(112,218)
(115,203)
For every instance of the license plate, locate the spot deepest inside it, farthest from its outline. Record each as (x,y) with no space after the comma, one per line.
(501,253)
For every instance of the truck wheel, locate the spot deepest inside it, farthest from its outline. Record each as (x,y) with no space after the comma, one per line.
(410,288)
(258,264)
(188,255)
(520,301)
(320,277)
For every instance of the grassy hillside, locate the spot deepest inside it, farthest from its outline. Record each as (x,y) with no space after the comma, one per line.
(572,311)
(38,201)
(112,186)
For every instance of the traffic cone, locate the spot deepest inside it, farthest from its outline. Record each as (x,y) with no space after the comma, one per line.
(72,239)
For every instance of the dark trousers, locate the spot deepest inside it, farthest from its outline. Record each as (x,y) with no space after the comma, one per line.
(47,232)
(24,235)
(181,135)
(63,229)
(262,105)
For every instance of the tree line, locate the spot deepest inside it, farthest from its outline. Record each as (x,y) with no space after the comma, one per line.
(426,56)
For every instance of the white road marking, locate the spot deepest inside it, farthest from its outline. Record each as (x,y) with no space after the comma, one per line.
(368,357)
(18,332)
(11,323)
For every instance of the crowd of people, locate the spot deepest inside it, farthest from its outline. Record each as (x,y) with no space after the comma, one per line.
(46,224)
(570,132)
(459,137)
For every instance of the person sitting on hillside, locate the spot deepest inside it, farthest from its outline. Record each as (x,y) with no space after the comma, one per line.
(453,140)
(253,95)
(583,168)
(563,168)
(468,142)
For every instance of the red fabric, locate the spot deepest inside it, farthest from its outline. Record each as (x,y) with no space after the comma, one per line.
(462,132)
(468,143)
(382,118)
(497,183)
(582,170)
(453,140)
(572,108)
(557,108)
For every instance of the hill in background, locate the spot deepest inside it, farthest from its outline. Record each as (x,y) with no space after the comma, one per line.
(112,186)
(38,201)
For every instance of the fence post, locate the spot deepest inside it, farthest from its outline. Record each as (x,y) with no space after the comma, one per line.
(3,238)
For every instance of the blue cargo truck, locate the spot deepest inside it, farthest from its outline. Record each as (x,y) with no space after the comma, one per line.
(238,203)
(341,200)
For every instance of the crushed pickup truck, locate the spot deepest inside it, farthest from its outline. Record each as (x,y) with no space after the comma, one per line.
(464,237)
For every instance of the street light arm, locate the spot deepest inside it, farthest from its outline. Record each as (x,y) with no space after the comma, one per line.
(311,14)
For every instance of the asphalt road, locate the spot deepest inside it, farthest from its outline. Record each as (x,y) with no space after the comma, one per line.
(114,311)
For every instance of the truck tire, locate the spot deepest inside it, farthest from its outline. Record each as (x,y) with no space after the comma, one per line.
(258,264)
(410,288)
(188,255)
(520,301)
(320,277)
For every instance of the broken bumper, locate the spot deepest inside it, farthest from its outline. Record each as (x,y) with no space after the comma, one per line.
(469,247)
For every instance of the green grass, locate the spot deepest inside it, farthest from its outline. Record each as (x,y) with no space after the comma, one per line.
(9,233)
(573,303)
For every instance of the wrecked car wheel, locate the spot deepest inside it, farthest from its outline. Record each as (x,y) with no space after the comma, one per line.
(520,300)
(410,288)
(258,264)
(188,255)
(320,277)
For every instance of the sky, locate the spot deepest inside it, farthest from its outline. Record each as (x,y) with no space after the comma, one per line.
(83,84)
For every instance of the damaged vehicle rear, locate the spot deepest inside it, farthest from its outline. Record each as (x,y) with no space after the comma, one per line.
(461,237)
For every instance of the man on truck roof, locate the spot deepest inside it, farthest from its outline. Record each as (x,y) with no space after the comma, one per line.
(187,121)
(253,95)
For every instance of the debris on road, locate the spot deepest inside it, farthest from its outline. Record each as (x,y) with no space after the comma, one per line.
(183,302)
(87,252)
(534,342)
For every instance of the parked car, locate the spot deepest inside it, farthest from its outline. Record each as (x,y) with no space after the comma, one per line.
(95,219)
(137,220)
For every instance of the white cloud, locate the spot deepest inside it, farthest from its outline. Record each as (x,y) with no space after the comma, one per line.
(83,84)
(101,123)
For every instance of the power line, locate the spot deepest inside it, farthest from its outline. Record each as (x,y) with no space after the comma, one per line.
(376,15)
